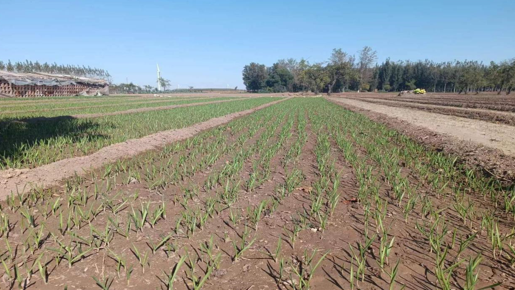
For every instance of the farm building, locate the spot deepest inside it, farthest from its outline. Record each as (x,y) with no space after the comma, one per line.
(49,85)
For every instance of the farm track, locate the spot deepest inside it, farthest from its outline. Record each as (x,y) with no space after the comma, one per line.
(453,135)
(333,149)
(51,174)
(136,102)
(498,117)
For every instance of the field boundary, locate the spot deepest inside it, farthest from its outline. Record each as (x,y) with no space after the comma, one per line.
(492,162)
(23,180)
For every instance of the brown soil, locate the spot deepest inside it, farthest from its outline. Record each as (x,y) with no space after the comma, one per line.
(490,147)
(487,101)
(507,118)
(22,180)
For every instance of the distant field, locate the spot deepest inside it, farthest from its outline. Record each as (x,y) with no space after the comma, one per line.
(106,106)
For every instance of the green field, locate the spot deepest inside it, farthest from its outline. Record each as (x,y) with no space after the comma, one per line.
(303,194)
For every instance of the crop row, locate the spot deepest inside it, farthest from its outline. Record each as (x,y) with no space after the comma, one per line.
(86,205)
(22,104)
(104,107)
(53,99)
(432,191)
(36,143)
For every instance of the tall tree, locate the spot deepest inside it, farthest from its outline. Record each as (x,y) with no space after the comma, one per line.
(367,58)
(507,75)
(254,76)
(317,77)
(339,69)
(164,83)
(280,79)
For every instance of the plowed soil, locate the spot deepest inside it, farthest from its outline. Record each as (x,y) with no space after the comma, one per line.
(500,117)
(486,101)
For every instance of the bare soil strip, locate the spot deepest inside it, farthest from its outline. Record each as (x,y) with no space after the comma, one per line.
(505,105)
(480,114)
(22,180)
(478,144)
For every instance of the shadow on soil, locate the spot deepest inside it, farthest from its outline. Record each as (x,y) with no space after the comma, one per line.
(17,136)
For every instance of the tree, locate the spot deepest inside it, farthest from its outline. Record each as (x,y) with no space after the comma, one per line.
(317,77)
(9,66)
(397,74)
(280,79)
(367,58)
(446,74)
(507,76)
(164,83)
(385,72)
(434,74)
(81,71)
(339,69)
(343,72)
(254,76)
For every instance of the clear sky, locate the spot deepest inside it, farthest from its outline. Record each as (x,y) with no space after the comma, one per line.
(207,43)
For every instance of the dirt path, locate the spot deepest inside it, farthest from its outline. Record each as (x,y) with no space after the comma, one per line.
(470,113)
(488,146)
(51,174)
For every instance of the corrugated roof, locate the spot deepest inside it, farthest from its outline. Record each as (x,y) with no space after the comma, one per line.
(45,79)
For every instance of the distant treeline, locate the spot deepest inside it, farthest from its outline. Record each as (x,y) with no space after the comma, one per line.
(346,72)
(130,88)
(54,68)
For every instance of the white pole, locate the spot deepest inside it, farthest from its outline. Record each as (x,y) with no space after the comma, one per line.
(158,78)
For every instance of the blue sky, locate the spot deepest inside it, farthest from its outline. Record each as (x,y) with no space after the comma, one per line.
(207,43)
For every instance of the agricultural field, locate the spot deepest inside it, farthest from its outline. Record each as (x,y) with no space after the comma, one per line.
(39,139)
(487,107)
(302,194)
(482,137)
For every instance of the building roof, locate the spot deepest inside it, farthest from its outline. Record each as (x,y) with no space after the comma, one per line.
(44,79)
